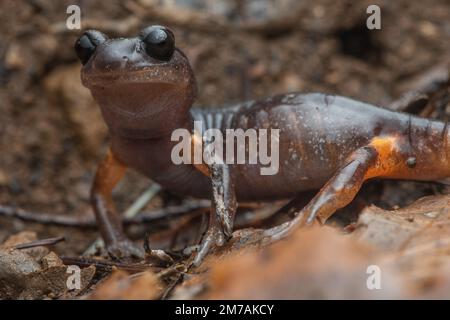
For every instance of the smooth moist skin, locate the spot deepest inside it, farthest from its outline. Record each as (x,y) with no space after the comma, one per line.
(145,88)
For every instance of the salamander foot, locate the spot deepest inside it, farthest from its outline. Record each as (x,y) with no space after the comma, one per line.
(212,239)
(125,249)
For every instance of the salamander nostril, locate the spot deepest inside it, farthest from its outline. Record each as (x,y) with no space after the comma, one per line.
(96,37)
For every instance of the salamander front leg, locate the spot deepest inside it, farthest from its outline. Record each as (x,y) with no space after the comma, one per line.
(223,210)
(109,173)
(337,193)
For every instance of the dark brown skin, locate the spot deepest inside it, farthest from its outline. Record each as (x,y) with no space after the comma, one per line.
(328,142)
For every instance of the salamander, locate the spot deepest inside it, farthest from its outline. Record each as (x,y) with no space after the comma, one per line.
(145,88)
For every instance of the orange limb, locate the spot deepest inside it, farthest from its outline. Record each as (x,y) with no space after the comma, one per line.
(379,158)
(109,172)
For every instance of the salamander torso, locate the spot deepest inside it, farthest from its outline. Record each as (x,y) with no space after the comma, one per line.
(317,134)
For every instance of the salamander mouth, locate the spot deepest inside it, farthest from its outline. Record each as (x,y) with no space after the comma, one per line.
(133,99)
(109,79)
(142,112)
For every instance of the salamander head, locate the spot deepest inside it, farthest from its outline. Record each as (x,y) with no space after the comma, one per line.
(144,85)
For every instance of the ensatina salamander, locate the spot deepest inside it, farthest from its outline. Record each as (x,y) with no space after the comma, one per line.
(145,88)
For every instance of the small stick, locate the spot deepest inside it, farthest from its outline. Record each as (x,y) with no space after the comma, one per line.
(47,218)
(423,90)
(142,201)
(171,286)
(88,221)
(108,265)
(38,243)
(169,212)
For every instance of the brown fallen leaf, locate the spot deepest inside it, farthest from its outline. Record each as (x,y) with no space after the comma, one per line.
(24,237)
(317,263)
(191,286)
(121,286)
(416,240)
(405,227)
(15,267)
(52,283)
(35,273)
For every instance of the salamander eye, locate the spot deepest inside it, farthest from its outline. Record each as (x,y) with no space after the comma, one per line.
(159,42)
(87,43)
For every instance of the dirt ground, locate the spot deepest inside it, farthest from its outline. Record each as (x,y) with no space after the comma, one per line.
(52,137)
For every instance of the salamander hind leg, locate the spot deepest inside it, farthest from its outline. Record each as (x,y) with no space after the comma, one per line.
(335,194)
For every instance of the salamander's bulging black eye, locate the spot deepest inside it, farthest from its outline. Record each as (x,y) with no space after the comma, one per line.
(87,43)
(159,42)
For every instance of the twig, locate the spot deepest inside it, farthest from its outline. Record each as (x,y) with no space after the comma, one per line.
(47,218)
(423,89)
(38,243)
(142,201)
(88,221)
(172,285)
(169,212)
(108,265)
(94,247)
